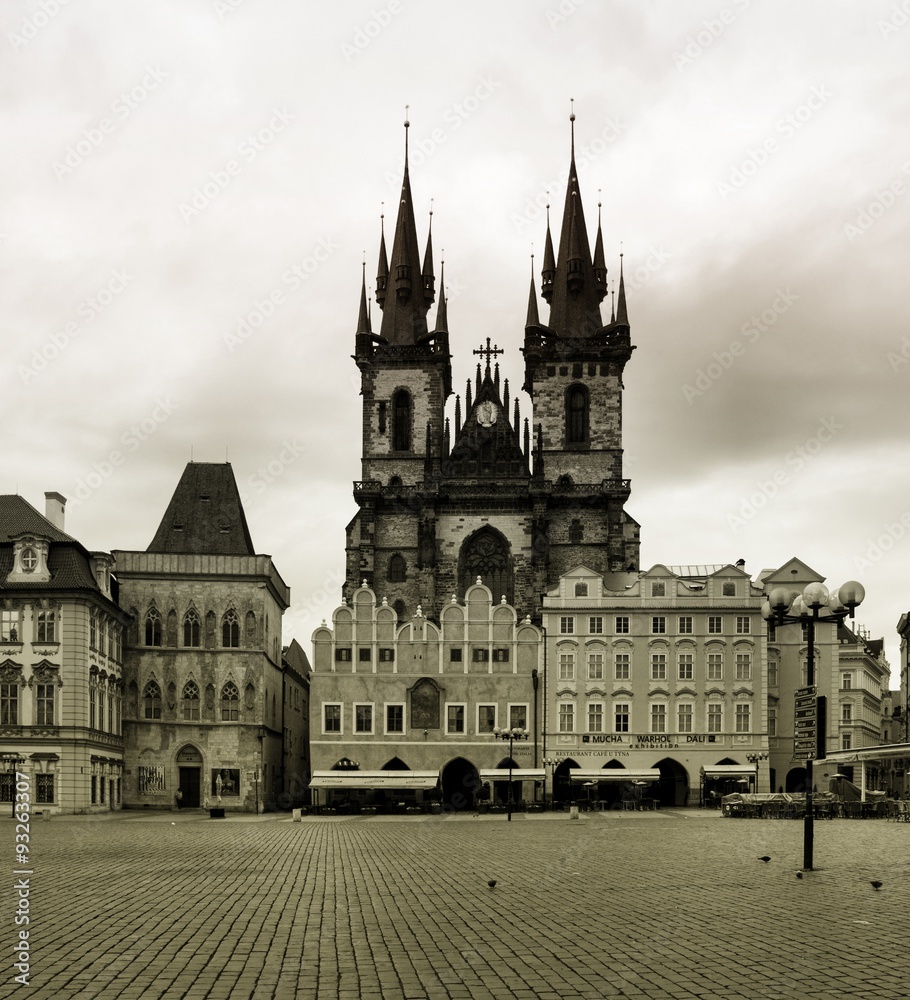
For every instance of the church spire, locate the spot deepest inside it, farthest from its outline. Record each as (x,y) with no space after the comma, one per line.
(622,316)
(600,264)
(363,320)
(533,315)
(576,294)
(548,272)
(442,313)
(382,271)
(404,312)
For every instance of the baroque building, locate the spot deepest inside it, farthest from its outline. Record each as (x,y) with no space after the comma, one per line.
(209,695)
(444,499)
(61,633)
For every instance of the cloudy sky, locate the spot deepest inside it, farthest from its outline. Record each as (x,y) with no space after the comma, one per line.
(189,187)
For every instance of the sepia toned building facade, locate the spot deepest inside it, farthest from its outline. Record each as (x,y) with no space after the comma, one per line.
(205,690)
(61,680)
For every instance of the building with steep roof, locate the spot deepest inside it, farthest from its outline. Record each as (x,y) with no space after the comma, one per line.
(444,497)
(207,687)
(60,663)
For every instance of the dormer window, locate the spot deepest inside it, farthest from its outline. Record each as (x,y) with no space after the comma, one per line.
(29,560)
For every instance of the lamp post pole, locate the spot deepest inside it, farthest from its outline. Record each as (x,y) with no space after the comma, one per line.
(552,763)
(754,758)
(785,607)
(516,733)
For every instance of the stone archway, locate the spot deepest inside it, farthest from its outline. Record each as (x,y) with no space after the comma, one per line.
(460,784)
(487,554)
(562,781)
(796,780)
(673,787)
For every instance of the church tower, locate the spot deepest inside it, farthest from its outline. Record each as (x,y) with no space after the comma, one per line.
(486,495)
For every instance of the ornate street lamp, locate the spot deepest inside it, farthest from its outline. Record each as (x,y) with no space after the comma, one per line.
(815,604)
(516,733)
(754,758)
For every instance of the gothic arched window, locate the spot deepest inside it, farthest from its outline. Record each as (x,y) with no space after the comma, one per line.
(397,569)
(191,628)
(152,697)
(152,627)
(191,701)
(230,702)
(486,554)
(230,630)
(401,421)
(577,415)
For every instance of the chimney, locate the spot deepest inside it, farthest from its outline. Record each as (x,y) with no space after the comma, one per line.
(53,508)
(741,564)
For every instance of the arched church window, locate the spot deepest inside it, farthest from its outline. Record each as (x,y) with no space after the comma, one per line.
(577,415)
(152,627)
(191,701)
(152,697)
(230,702)
(191,628)
(230,630)
(486,554)
(401,421)
(397,569)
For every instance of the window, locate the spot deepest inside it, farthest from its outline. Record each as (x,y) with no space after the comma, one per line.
(480,655)
(230,630)
(846,681)
(401,421)
(152,627)
(44,705)
(501,654)
(365,655)
(190,701)
(658,718)
(772,720)
(658,589)
(804,631)
(684,717)
(152,699)
(567,717)
(386,654)
(715,717)
(622,624)
(658,666)
(744,666)
(595,666)
(728,589)
(230,702)
(93,629)
(577,415)
(658,624)
(622,666)
(581,590)
(191,628)
(595,717)
(363,718)
(743,718)
(567,666)
(846,741)
(454,718)
(394,718)
(743,624)
(343,654)
(455,655)
(47,626)
(9,704)
(9,626)
(715,666)
(772,632)
(621,717)
(685,625)
(715,624)
(846,713)
(518,716)
(773,673)
(566,625)
(486,718)
(397,569)
(686,666)
(576,535)
(44,788)
(331,718)
(596,625)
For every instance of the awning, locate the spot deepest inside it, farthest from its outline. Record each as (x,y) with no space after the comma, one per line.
(730,771)
(614,774)
(374,779)
(518,774)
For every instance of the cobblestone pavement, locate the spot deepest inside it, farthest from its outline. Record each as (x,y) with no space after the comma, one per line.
(665,905)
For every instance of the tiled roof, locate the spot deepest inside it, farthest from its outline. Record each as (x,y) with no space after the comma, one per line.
(18,516)
(205,515)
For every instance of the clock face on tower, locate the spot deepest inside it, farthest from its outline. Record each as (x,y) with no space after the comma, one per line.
(487,413)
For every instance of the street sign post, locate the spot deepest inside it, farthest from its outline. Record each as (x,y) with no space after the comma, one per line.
(805,723)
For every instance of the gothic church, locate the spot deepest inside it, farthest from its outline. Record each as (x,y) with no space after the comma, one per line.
(516,503)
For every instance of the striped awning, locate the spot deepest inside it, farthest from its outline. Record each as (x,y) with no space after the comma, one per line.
(374,779)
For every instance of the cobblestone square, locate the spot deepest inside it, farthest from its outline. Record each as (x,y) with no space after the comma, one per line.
(672,904)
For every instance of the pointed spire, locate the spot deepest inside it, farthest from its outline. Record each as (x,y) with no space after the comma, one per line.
(479,377)
(429,279)
(600,264)
(527,442)
(442,313)
(446,440)
(622,315)
(495,375)
(505,394)
(382,272)
(533,315)
(363,320)
(467,398)
(548,272)
(457,415)
(516,420)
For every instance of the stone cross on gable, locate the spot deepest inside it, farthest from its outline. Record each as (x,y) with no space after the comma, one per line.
(489,351)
